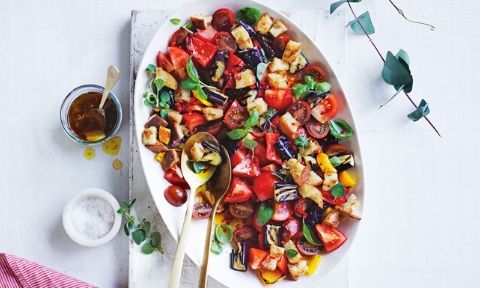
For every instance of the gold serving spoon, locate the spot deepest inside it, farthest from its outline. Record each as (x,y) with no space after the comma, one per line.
(218,186)
(194,180)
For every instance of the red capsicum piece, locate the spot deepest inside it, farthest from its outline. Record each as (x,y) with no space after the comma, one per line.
(271,152)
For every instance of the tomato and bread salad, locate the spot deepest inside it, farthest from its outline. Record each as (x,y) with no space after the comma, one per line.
(241,77)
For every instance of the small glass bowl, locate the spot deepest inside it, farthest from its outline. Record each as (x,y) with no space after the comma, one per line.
(66,107)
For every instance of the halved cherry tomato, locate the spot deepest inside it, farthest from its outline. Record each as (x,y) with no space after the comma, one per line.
(278,98)
(300,207)
(238,192)
(282,264)
(179,56)
(245,234)
(236,116)
(241,210)
(225,42)
(178,38)
(255,257)
(279,44)
(223,19)
(292,225)
(318,73)
(282,211)
(164,62)
(326,109)
(263,185)
(300,110)
(193,119)
(201,50)
(172,176)
(334,149)
(329,198)
(234,64)
(317,130)
(269,168)
(271,152)
(248,168)
(331,238)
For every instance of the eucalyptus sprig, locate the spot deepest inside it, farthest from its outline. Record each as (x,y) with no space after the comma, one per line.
(140,231)
(396,70)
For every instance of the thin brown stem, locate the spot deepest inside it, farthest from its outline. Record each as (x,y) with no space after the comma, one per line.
(400,11)
(383,59)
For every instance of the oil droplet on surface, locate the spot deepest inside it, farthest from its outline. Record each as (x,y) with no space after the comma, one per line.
(117,164)
(89,153)
(112,146)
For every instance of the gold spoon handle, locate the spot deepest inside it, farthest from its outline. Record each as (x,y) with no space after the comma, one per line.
(206,249)
(112,77)
(176,273)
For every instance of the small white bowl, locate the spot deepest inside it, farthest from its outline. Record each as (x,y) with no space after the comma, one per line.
(81,238)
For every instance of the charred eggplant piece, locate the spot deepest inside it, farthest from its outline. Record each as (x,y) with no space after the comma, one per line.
(272,234)
(285,192)
(314,215)
(215,96)
(342,162)
(252,57)
(249,29)
(267,48)
(238,258)
(209,146)
(285,148)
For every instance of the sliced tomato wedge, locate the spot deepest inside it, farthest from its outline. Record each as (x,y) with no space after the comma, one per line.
(326,109)
(331,238)
(317,130)
(201,50)
(282,211)
(255,257)
(248,168)
(207,34)
(225,42)
(193,119)
(278,99)
(234,64)
(271,152)
(261,152)
(238,192)
(236,116)
(263,185)
(179,57)
(329,198)
(300,207)
(239,156)
(171,175)
(164,62)
(282,264)
(270,168)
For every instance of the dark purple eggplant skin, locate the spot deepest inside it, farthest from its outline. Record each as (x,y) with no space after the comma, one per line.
(252,57)
(237,93)
(231,146)
(267,48)
(249,29)
(215,97)
(314,215)
(284,148)
(220,56)
(235,254)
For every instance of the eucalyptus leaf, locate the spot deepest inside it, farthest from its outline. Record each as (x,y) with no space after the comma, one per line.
(147,248)
(265,213)
(340,129)
(422,110)
(192,71)
(138,236)
(156,239)
(396,72)
(337,4)
(364,21)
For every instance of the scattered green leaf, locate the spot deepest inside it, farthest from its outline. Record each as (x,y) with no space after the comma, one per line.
(291,253)
(188,84)
(310,235)
(147,248)
(421,111)
(201,93)
(301,90)
(216,248)
(138,236)
(175,21)
(340,129)
(237,134)
(249,15)
(364,21)
(337,4)
(163,113)
(151,69)
(301,141)
(192,71)
(265,213)
(250,144)
(338,190)
(252,120)
(156,239)
(223,233)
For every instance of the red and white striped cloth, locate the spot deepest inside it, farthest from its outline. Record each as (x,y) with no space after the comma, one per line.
(16,272)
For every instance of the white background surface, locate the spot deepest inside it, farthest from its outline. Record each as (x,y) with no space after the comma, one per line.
(420,226)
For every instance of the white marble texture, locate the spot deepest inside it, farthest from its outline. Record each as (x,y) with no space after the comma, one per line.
(420,226)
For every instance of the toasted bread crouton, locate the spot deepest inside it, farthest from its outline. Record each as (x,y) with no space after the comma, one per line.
(331,178)
(201,21)
(270,263)
(277,28)
(156,121)
(298,64)
(288,125)
(277,65)
(291,246)
(168,80)
(242,38)
(197,151)
(258,104)
(264,24)
(277,80)
(292,50)
(157,147)
(298,269)
(164,135)
(244,79)
(181,95)
(351,207)
(149,136)
(212,113)
(300,173)
(314,179)
(333,218)
(312,192)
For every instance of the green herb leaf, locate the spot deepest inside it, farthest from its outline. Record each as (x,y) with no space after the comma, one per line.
(249,143)
(265,213)
(237,134)
(300,90)
(249,15)
(223,233)
(163,113)
(322,87)
(421,111)
(189,84)
(340,129)
(301,141)
(145,225)
(151,69)
(201,93)
(335,161)
(396,71)
(156,239)
(126,229)
(365,21)
(158,84)
(291,253)
(192,71)
(338,190)
(309,81)
(337,4)
(261,69)
(216,248)
(150,99)
(175,21)
(252,120)
(310,235)
(147,248)
(138,236)
(188,26)
(198,167)
(164,96)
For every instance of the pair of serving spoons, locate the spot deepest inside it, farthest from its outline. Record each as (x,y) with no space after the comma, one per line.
(220,177)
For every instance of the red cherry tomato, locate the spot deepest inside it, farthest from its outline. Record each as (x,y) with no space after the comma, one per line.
(175,195)
(238,192)
(282,211)
(223,19)
(331,238)
(278,98)
(336,149)
(326,109)
(236,116)
(164,62)
(193,119)
(279,44)
(172,176)
(248,168)
(201,210)
(178,38)
(241,210)
(245,234)
(300,110)
(234,64)
(255,257)
(201,50)
(282,264)
(317,130)
(329,198)
(318,73)
(263,185)
(179,57)
(225,42)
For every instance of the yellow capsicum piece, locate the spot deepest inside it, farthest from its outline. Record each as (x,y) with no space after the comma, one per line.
(324,163)
(346,179)
(312,263)
(203,101)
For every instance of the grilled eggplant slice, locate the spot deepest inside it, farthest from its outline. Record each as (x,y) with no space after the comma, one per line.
(272,234)
(238,258)
(285,192)
(342,162)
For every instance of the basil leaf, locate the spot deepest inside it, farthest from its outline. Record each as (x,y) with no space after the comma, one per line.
(337,4)
(396,72)
(201,93)
(252,120)
(335,161)
(338,190)
(147,248)
(291,253)
(309,235)
(300,90)
(261,69)
(151,69)
(421,111)
(322,87)
(188,84)
(309,82)
(156,239)
(249,143)
(138,236)
(264,214)
(216,248)
(175,21)
(237,134)
(192,71)
(249,15)
(158,84)
(198,167)
(301,141)
(365,21)
(340,129)
(223,233)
